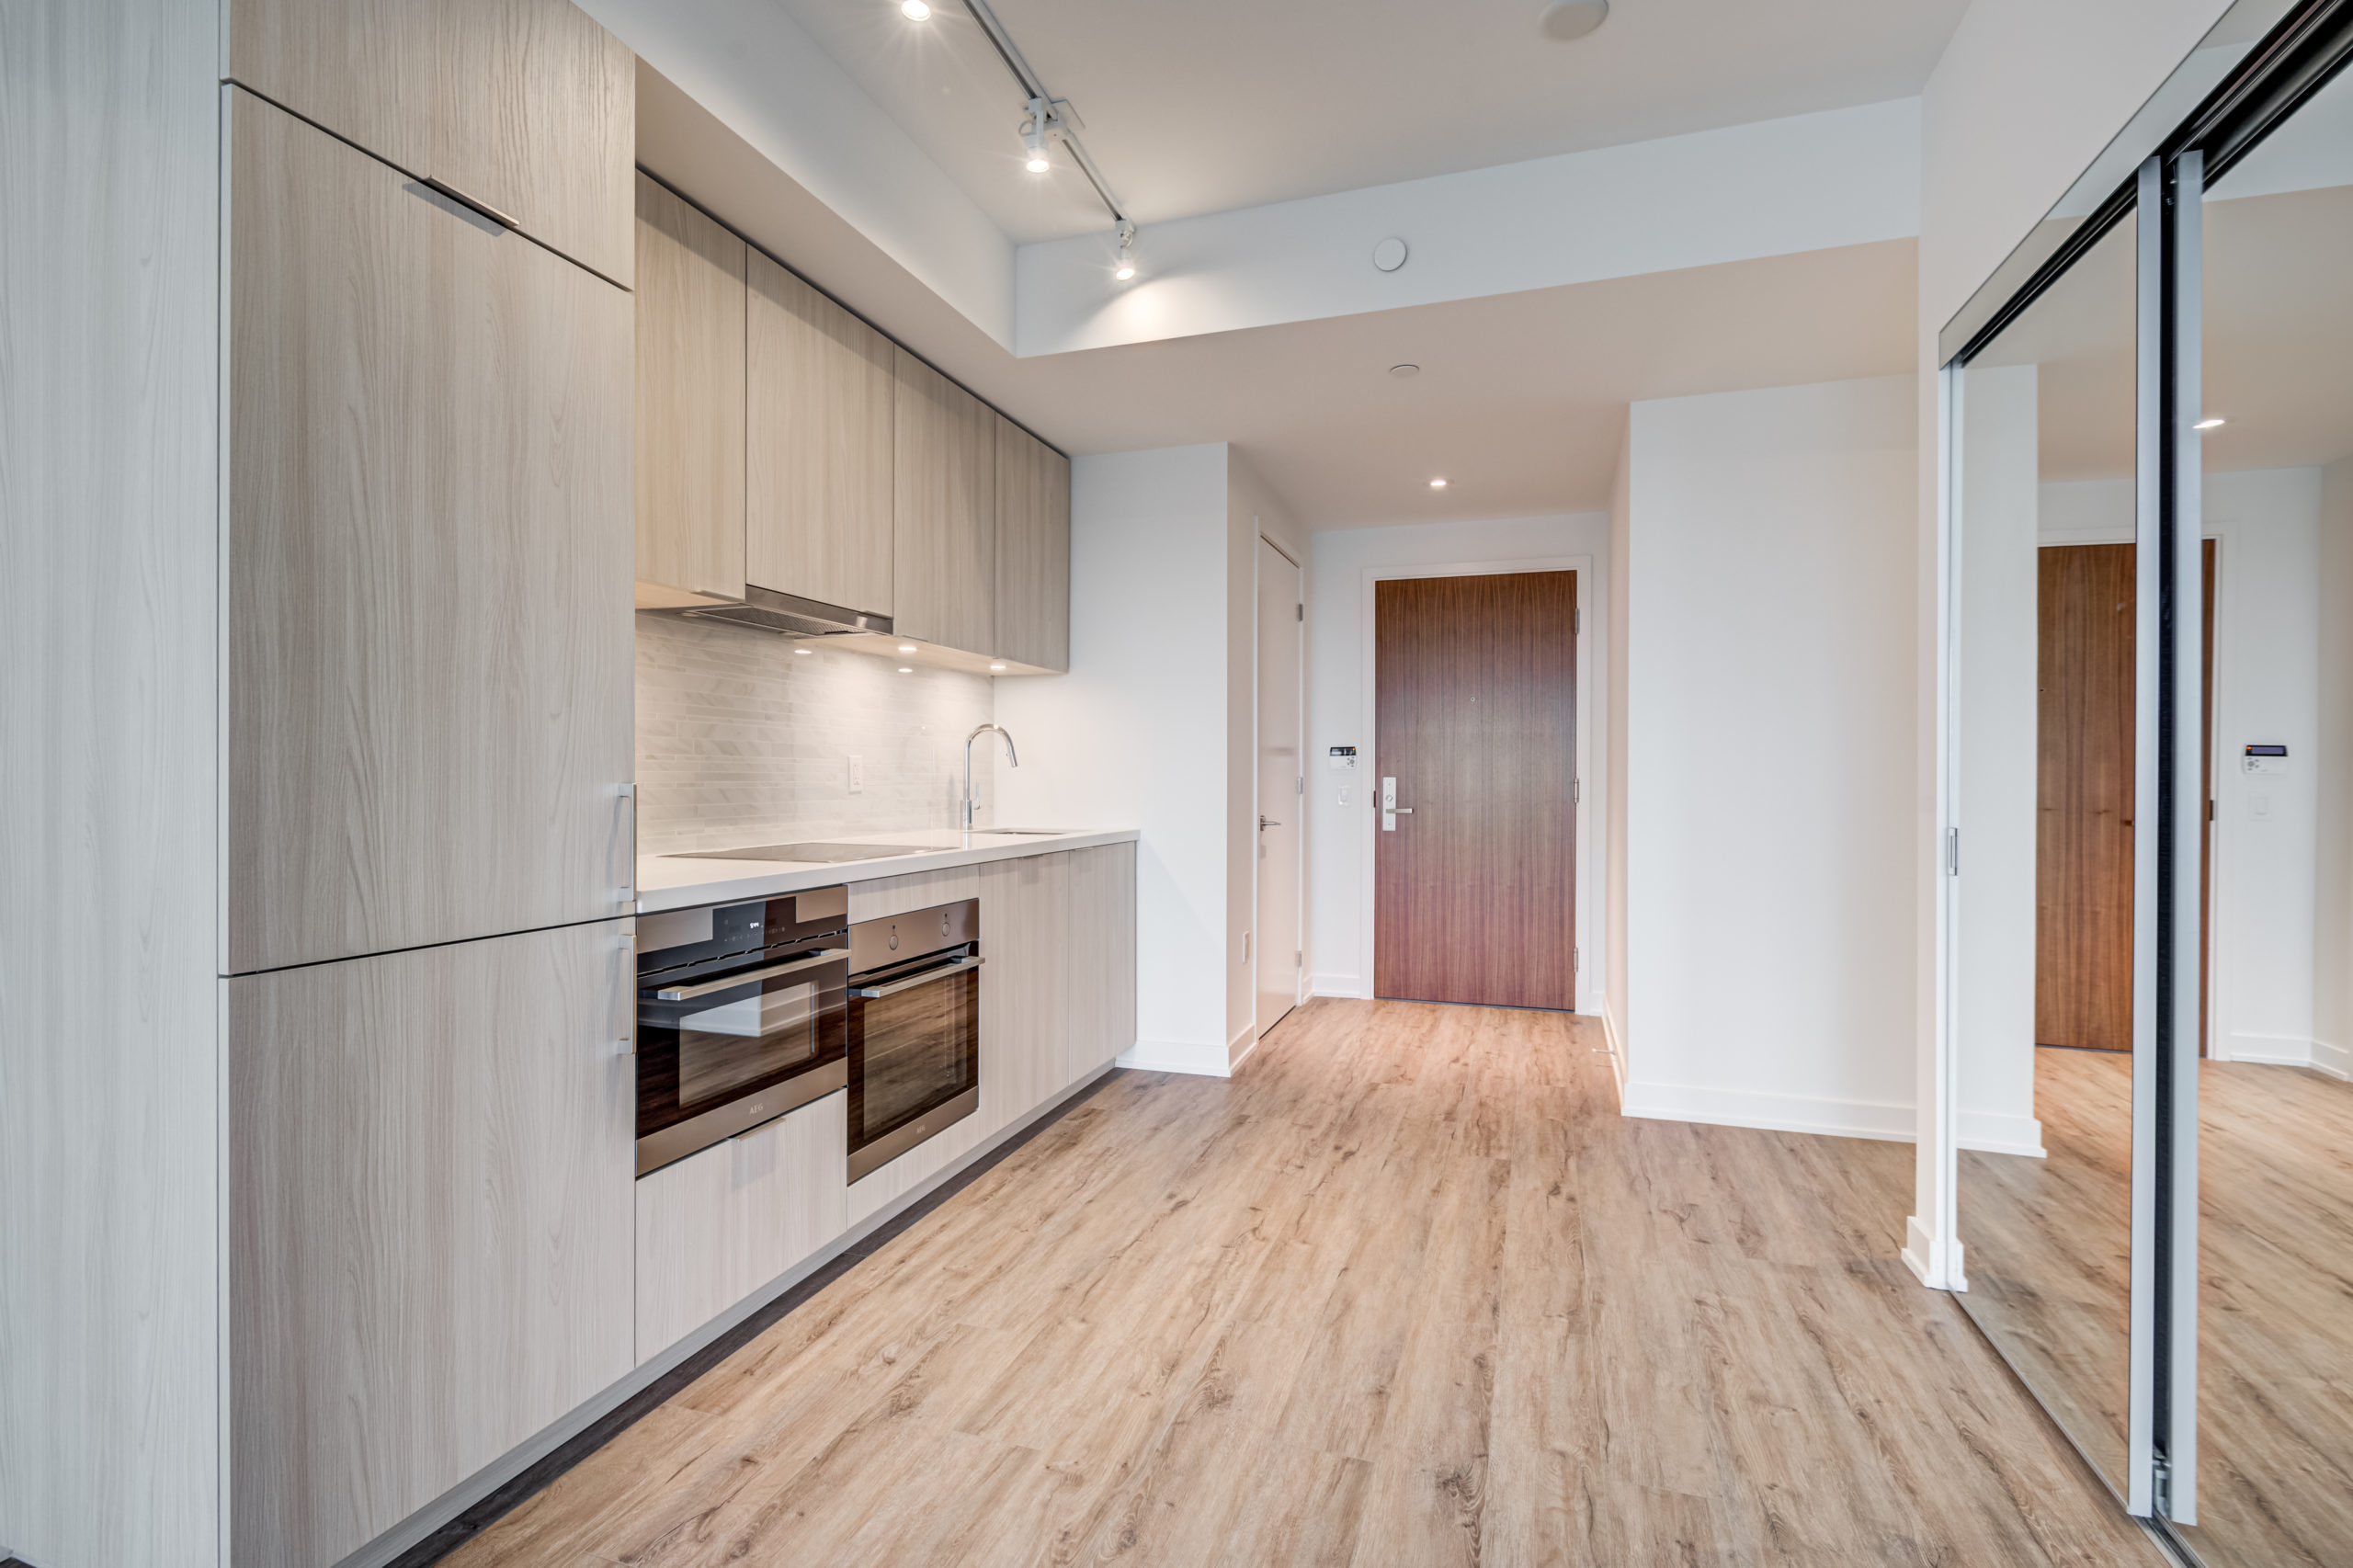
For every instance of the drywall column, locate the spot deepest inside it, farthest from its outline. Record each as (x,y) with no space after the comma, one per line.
(1136,734)
(109,1146)
(2333,770)
(1996,683)
(1769,802)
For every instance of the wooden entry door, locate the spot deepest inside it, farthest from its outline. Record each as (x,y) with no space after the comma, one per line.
(1475,718)
(2082,929)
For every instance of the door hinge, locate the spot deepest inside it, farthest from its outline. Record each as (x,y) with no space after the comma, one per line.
(1576,792)
(1301,782)
(1952,852)
(1575,960)
(1577,621)
(1299,958)
(1302,610)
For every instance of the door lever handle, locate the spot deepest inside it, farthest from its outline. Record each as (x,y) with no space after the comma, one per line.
(1266,822)
(1402,811)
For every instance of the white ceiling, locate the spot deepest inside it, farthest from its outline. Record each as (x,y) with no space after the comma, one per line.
(1203,106)
(1520,402)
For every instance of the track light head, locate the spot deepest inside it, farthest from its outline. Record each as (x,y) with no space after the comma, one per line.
(1033,136)
(1127,266)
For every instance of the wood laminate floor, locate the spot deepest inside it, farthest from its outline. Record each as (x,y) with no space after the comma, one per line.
(1406,1291)
(2046,1243)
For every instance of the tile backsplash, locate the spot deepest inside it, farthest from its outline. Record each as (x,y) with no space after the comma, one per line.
(741,741)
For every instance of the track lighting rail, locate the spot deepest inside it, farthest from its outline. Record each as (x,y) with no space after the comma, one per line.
(1059,120)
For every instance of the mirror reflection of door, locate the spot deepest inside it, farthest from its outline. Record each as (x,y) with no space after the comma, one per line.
(2082,949)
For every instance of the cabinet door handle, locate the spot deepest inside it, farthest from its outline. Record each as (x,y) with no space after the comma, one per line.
(503,220)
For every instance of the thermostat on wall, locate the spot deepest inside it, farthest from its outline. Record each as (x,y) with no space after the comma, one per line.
(1344,759)
(2264,759)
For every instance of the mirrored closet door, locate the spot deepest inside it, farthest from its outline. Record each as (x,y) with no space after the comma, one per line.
(2148,726)
(2271,1485)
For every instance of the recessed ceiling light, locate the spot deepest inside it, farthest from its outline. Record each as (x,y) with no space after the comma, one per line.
(2208,423)
(802,652)
(1437,485)
(1404,370)
(905,670)
(906,647)
(914,10)
(997,667)
(1566,19)
(1390,253)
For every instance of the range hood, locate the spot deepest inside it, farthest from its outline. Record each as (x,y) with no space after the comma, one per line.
(787,615)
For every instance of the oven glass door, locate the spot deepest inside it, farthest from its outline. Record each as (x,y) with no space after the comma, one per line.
(913,1048)
(704,1045)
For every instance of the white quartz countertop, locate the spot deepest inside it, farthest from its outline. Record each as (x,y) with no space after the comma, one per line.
(681,882)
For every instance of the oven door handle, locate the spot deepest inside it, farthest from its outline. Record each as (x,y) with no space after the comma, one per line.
(689,993)
(876,993)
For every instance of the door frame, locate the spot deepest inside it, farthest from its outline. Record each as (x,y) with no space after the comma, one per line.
(1590,851)
(1303,986)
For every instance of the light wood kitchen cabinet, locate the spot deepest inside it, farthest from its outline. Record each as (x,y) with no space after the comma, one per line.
(431,1158)
(1026,932)
(717,1225)
(1102,956)
(429,662)
(944,511)
(1032,611)
(689,399)
(525,107)
(820,393)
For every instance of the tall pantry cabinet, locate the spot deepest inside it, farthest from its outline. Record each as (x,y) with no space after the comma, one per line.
(426,847)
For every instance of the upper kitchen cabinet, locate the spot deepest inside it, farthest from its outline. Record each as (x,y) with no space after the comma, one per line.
(427,658)
(524,109)
(690,405)
(944,512)
(1032,551)
(820,390)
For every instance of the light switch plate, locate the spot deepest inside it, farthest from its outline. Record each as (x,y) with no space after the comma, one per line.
(857,774)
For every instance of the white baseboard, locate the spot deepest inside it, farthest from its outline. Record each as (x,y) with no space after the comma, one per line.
(2333,1059)
(1239,1048)
(1617,1044)
(1994,1132)
(2271,1050)
(1211,1061)
(1937,1268)
(1774,1113)
(1346,986)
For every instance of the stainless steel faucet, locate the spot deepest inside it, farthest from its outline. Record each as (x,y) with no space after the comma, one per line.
(1010,755)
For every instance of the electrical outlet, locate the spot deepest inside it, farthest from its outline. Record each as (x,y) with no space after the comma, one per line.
(857,774)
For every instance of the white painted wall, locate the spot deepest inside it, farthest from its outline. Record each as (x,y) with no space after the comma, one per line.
(1137,734)
(2266,830)
(1612,772)
(1997,687)
(2333,764)
(1770,712)
(2022,100)
(1807,182)
(1340,712)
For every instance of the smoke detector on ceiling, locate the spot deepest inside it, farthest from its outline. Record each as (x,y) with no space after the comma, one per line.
(1571,18)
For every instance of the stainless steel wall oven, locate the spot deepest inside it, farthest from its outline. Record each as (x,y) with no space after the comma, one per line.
(914,1030)
(742,1015)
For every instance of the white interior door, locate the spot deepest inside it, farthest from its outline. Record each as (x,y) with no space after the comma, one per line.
(1280,779)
